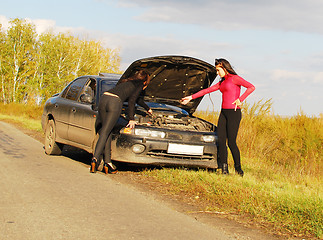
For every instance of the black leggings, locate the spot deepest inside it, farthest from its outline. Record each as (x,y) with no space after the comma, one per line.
(109,111)
(228,126)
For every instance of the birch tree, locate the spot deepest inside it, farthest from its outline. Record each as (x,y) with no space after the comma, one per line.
(21,39)
(3,65)
(34,67)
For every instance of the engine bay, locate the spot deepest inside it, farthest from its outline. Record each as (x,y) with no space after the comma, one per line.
(173,120)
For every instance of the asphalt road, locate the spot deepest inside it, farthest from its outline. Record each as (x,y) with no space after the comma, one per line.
(55,197)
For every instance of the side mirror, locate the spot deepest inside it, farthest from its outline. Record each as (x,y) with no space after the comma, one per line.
(86,98)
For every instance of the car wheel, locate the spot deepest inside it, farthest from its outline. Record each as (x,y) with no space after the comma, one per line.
(51,146)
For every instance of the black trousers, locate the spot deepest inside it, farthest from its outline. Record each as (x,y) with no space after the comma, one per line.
(109,111)
(228,126)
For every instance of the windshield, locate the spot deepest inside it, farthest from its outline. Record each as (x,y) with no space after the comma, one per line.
(165,107)
(108,84)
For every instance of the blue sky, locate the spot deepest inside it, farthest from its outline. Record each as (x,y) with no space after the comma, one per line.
(277,45)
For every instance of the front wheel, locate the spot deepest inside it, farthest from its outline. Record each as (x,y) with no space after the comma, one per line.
(51,146)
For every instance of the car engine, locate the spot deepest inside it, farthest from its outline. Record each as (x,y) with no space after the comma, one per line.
(174,121)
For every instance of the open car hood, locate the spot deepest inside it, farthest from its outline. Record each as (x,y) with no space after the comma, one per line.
(174,77)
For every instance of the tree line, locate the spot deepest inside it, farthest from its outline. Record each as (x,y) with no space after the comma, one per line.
(35,66)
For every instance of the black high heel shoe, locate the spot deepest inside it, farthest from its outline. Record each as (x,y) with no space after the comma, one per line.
(110,168)
(239,171)
(93,165)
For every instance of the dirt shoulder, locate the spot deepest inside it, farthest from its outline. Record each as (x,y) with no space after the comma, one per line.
(241,227)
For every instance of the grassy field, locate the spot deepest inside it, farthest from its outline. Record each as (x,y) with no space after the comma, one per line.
(282,160)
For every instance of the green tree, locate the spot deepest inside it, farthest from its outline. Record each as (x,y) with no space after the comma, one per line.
(92,58)
(64,57)
(55,57)
(20,45)
(33,67)
(3,63)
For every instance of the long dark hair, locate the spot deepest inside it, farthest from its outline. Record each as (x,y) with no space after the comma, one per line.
(141,75)
(225,65)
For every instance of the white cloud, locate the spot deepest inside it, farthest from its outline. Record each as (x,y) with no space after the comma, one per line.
(273,77)
(318,78)
(42,25)
(296,77)
(4,21)
(45,25)
(133,47)
(288,15)
(279,75)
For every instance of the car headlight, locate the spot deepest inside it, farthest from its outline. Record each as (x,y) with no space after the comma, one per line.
(208,138)
(144,132)
(149,133)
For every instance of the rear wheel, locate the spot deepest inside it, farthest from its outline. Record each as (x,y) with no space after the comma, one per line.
(51,146)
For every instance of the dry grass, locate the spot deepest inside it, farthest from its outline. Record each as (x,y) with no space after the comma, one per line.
(293,145)
(272,202)
(282,186)
(28,116)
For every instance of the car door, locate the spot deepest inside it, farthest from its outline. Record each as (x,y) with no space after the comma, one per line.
(82,116)
(62,107)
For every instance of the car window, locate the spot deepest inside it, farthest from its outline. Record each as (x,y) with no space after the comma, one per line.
(88,92)
(63,95)
(75,88)
(107,85)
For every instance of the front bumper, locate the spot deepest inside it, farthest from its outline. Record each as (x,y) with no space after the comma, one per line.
(156,152)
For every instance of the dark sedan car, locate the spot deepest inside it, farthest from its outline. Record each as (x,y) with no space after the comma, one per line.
(170,137)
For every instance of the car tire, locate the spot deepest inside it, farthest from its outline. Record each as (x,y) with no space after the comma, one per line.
(51,146)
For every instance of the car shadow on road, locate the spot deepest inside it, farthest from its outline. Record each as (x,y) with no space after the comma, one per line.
(84,157)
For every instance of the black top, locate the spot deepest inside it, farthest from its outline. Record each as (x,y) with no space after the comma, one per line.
(130,90)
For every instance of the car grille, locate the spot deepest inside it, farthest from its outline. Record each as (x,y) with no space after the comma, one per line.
(173,136)
(164,154)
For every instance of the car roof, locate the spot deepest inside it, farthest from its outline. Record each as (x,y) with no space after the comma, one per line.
(113,77)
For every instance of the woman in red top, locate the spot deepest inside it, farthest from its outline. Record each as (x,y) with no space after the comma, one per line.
(230,116)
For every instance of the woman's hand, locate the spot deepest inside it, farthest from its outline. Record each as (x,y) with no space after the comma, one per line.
(132,124)
(186,100)
(150,111)
(237,104)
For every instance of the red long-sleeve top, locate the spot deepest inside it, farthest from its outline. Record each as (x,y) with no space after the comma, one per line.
(230,88)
